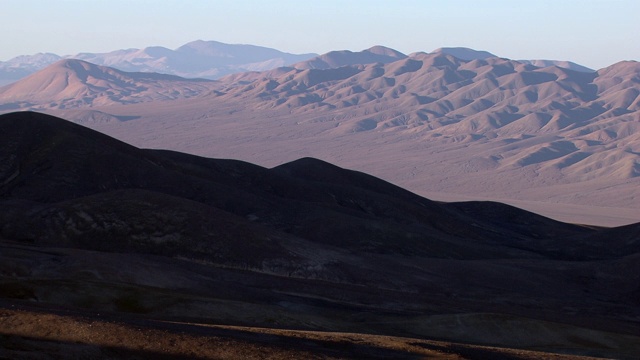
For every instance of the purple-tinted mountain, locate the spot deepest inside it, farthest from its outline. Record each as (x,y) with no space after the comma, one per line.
(559,63)
(24,65)
(470,54)
(197,59)
(463,53)
(336,59)
(77,83)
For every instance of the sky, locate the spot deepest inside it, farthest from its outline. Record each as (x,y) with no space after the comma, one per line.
(593,33)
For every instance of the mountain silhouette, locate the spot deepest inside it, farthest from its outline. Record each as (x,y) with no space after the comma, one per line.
(87,221)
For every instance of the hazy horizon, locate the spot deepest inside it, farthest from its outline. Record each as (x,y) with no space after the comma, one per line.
(592,33)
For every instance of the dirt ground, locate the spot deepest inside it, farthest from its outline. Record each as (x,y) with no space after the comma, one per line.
(40,333)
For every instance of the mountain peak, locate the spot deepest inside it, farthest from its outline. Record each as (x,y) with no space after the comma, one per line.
(202,47)
(78,83)
(385,51)
(339,58)
(32,59)
(74,64)
(559,63)
(464,53)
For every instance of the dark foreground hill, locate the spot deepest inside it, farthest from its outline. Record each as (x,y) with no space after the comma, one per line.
(88,222)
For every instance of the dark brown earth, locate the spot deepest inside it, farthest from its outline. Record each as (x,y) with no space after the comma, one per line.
(91,225)
(44,333)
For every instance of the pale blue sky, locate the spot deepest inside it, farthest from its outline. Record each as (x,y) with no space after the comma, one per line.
(594,33)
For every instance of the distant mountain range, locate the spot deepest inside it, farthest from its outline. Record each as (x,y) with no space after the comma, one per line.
(197,59)
(336,59)
(212,60)
(88,222)
(477,126)
(470,54)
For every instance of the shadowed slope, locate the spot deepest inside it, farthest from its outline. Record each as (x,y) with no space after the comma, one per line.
(57,161)
(87,221)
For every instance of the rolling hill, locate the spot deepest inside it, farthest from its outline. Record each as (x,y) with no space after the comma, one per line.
(77,83)
(306,245)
